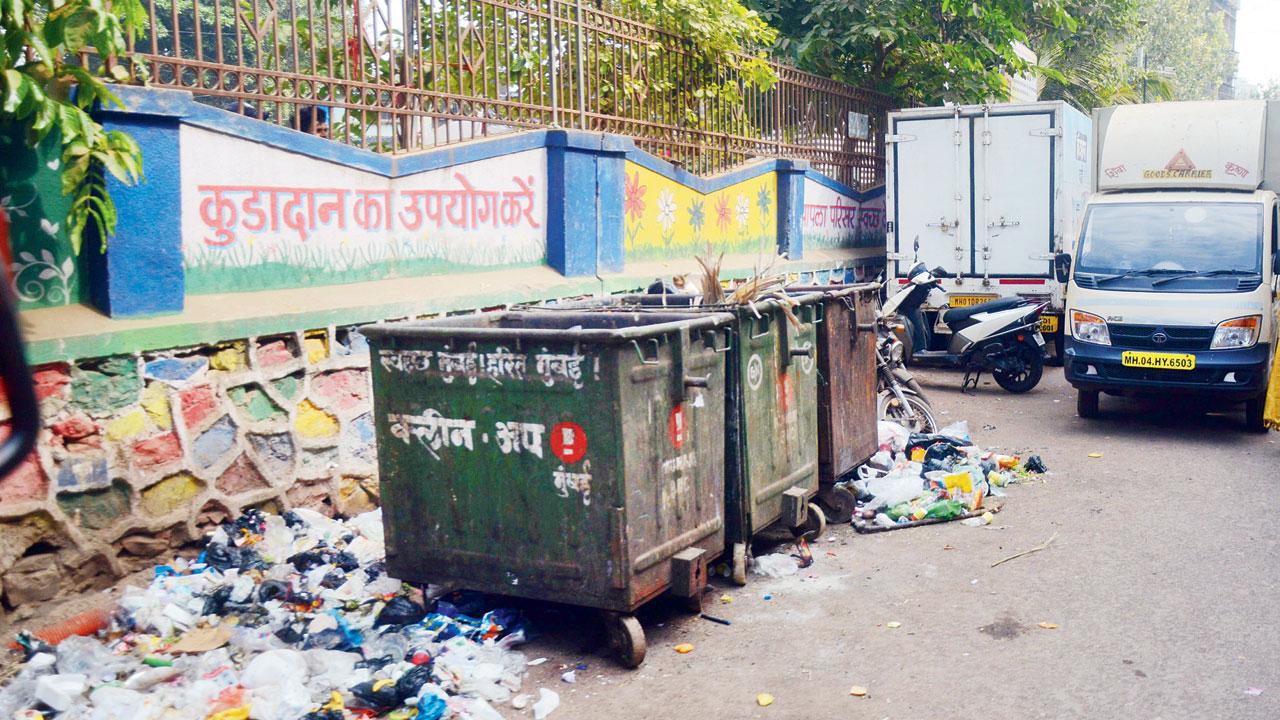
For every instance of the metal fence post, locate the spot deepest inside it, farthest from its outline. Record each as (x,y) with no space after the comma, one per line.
(554,48)
(582,82)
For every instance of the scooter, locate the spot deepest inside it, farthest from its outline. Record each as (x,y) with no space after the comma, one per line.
(1001,337)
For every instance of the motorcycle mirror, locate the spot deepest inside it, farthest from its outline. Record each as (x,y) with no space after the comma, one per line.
(939,272)
(1062,267)
(916,245)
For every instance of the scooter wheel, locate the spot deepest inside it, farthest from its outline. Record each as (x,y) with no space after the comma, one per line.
(1025,377)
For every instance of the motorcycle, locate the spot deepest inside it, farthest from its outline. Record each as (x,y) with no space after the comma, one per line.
(899,398)
(1001,336)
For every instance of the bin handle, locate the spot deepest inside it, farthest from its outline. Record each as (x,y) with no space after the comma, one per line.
(692,381)
(728,340)
(763,321)
(640,352)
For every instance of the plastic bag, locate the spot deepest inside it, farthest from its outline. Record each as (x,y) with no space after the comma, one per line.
(548,701)
(775,565)
(400,611)
(901,485)
(892,436)
(958,430)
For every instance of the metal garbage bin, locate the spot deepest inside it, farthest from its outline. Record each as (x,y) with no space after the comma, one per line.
(846,378)
(567,457)
(771,420)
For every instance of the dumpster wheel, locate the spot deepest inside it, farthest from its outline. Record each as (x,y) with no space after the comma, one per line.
(740,563)
(626,639)
(814,525)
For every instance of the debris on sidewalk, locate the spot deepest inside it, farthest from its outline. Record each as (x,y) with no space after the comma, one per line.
(282,617)
(1024,553)
(919,479)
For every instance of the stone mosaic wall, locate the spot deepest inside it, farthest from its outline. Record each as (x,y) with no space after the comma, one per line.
(141,455)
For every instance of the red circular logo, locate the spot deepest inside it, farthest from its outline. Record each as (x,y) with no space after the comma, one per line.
(568,442)
(677,427)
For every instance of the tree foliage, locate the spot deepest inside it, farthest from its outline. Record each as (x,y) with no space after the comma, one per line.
(1186,42)
(43,89)
(924,51)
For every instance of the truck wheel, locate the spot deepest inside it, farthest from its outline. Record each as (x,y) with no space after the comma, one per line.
(1087,404)
(1254,415)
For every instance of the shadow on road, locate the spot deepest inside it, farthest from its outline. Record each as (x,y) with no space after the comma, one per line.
(1196,420)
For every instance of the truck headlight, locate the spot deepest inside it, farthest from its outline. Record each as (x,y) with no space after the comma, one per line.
(1236,333)
(1087,327)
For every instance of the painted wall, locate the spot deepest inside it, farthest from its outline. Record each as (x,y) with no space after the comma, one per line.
(141,455)
(44,270)
(255,217)
(666,218)
(841,219)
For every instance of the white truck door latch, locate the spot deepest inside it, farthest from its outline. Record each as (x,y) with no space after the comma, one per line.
(1047,132)
(890,139)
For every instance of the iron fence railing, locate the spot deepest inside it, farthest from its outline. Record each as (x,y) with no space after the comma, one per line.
(402,75)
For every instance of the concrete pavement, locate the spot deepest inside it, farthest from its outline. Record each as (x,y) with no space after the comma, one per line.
(1162,581)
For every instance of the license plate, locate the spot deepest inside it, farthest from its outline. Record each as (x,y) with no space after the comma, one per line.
(964,301)
(1158,361)
(1049,324)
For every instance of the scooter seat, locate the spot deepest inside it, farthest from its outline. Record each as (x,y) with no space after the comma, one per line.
(957,316)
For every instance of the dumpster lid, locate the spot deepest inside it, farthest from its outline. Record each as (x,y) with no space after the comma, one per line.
(577,326)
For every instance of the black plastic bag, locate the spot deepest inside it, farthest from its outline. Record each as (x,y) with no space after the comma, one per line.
(400,610)
(382,700)
(412,681)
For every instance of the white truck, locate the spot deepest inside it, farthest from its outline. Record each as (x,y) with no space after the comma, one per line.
(991,193)
(1173,278)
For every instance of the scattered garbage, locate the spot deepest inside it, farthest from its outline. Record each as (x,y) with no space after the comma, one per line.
(1253,691)
(712,618)
(282,617)
(893,625)
(764,699)
(1048,626)
(917,479)
(774,565)
(858,691)
(684,648)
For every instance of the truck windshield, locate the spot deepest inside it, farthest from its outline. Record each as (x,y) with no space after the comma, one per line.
(1166,238)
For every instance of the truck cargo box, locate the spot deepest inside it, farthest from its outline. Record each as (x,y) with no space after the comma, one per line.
(1211,145)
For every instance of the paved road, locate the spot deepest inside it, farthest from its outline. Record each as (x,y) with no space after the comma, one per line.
(1162,581)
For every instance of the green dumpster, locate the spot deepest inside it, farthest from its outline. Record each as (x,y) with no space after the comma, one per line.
(567,457)
(846,377)
(771,418)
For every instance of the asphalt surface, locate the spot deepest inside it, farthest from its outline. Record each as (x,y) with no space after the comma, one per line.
(1161,580)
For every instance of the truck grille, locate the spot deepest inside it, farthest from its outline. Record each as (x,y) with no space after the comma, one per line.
(1143,336)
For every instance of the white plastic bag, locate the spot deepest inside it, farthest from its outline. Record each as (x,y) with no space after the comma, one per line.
(775,565)
(900,485)
(893,437)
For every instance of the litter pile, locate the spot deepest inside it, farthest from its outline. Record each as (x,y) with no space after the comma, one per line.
(919,479)
(283,617)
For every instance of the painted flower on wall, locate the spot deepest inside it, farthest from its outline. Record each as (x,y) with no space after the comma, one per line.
(633,204)
(697,217)
(743,211)
(666,209)
(723,218)
(764,201)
